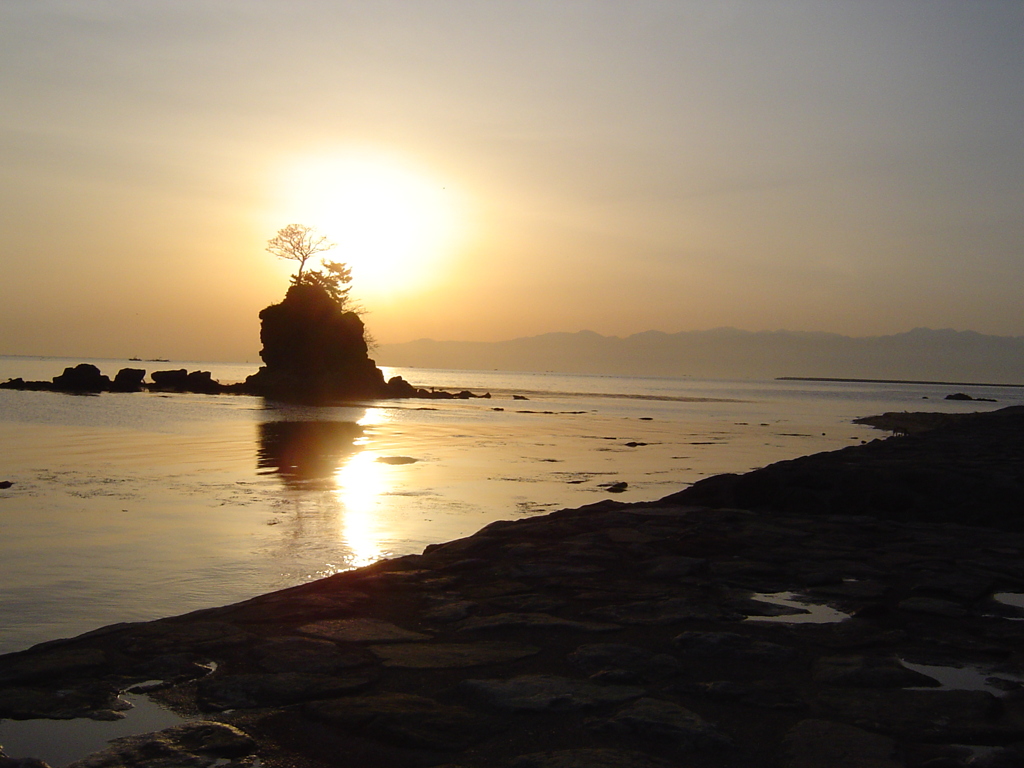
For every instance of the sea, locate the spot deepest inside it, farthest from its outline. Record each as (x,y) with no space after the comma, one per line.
(131,507)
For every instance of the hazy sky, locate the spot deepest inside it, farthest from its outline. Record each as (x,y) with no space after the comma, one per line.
(502,169)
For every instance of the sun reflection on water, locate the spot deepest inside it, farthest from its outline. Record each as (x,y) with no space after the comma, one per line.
(360,483)
(374,417)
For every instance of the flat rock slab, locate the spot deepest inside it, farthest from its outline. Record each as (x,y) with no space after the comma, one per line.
(56,663)
(404,719)
(817,743)
(174,637)
(758,693)
(656,720)
(362,631)
(288,606)
(868,672)
(589,758)
(967,717)
(532,621)
(220,692)
(542,693)
(450,655)
(616,662)
(528,603)
(197,745)
(654,612)
(730,646)
(933,606)
(307,654)
(96,702)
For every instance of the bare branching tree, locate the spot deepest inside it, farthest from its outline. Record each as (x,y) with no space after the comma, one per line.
(298,243)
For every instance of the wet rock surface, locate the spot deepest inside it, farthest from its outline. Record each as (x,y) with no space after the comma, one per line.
(962,468)
(619,635)
(194,744)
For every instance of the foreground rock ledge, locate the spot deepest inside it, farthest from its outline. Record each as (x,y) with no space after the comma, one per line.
(611,635)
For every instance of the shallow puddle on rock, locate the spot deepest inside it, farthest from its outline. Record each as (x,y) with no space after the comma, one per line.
(969,677)
(1016,599)
(809,613)
(59,742)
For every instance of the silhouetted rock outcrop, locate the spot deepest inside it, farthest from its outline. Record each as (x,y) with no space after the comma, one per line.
(128,380)
(315,352)
(170,380)
(181,380)
(202,382)
(84,377)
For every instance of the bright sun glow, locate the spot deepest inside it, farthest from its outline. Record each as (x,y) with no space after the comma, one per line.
(393,226)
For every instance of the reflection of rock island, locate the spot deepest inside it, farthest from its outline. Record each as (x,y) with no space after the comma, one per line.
(305,451)
(313,352)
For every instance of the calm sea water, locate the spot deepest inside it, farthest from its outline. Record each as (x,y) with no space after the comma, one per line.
(130,507)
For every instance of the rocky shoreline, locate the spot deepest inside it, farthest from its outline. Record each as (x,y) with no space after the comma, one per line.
(616,635)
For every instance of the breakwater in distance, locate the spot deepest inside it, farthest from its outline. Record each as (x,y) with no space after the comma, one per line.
(898,381)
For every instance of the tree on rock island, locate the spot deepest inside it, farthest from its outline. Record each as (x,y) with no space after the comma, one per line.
(314,345)
(300,243)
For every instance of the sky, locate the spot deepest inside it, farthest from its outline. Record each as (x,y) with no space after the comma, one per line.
(494,169)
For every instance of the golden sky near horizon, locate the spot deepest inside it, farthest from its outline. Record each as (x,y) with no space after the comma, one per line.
(493,169)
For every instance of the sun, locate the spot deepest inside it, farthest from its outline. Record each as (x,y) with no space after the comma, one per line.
(393,224)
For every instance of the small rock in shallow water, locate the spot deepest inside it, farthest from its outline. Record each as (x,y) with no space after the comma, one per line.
(396,460)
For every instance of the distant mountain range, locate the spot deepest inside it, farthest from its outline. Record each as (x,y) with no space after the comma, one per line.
(920,354)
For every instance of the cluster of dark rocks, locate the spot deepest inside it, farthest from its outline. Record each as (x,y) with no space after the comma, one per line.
(86,378)
(611,636)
